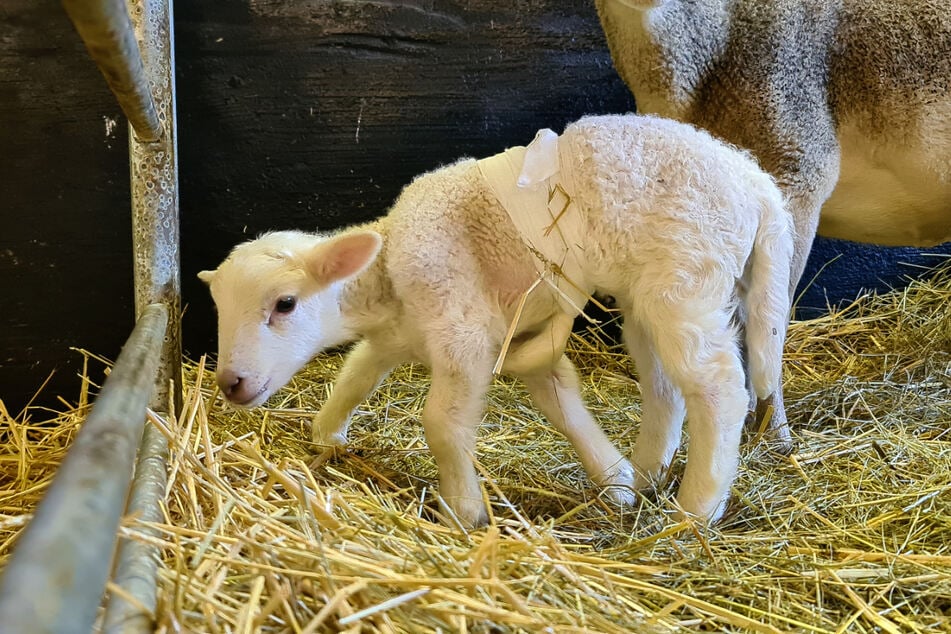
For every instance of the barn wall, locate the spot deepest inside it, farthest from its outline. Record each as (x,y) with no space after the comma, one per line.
(65,234)
(292,113)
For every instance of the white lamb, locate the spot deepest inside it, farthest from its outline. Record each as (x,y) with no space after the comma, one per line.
(681,229)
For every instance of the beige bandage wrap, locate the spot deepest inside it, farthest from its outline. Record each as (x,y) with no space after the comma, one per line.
(534,184)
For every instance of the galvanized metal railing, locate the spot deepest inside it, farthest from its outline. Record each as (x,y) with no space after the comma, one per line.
(55,578)
(56,574)
(107,31)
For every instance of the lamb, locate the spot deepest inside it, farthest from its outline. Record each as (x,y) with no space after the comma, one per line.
(847,104)
(681,229)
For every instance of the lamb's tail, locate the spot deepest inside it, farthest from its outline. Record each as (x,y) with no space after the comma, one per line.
(768,296)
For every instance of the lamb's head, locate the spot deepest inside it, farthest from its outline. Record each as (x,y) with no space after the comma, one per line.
(278,300)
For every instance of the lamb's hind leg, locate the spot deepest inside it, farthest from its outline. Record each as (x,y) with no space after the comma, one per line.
(662,410)
(702,359)
(557,395)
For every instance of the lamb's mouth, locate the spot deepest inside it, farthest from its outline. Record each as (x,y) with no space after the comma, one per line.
(250,402)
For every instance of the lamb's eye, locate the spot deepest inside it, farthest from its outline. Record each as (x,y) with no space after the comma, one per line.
(285,305)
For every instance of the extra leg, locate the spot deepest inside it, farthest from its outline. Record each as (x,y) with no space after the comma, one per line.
(362,371)
(557,394)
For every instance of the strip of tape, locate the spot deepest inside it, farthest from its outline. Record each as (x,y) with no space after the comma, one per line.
(534,185)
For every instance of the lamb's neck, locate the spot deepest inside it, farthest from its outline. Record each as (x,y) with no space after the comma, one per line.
(367,302)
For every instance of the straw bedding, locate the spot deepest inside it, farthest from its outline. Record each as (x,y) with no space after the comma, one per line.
(852,532)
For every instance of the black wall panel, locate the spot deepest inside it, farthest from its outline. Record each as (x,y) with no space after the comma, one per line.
(65,235)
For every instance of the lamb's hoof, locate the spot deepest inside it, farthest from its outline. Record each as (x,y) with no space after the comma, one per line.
(619,488)
(650,480)
(706,512)
(333,444)
(328,433)
(469,513)
(329,452)
(338,439)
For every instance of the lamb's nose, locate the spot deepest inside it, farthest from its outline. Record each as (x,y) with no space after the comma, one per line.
(230,384)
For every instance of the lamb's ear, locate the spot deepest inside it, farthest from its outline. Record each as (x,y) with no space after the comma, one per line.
(343,256)
(541,159)
(206,276)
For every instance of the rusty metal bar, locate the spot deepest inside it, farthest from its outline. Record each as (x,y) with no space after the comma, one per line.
(54,579)
(155,231)
(105,28)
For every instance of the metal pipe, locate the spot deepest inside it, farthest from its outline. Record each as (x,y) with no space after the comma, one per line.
(136,561)
(154,185)
(156,269)
(54,579)
(105,28)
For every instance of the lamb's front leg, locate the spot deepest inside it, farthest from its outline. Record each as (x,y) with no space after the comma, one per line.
(557,394)
(450,418)
(363,369)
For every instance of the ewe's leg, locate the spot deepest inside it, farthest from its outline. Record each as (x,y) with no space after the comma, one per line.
(703,360)
(362,371)
(662,410)
(450,417)
(804,208)
(806,183)
(776,431)
(557,394)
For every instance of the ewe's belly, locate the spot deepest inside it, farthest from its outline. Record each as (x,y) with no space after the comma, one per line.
(890,195)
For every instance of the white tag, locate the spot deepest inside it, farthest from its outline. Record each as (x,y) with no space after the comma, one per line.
(541,159)
(534,185)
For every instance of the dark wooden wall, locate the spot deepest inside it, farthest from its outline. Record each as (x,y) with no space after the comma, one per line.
(65,234)
(292,113)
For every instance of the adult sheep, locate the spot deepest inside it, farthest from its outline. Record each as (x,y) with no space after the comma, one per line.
(846,103)
(678,227)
